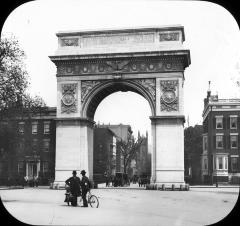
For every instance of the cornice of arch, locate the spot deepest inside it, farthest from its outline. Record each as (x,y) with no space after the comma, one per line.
(145,62)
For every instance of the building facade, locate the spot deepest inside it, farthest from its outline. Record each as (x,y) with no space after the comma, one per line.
(28,147)
(104,161)
(221,129)
(122,132)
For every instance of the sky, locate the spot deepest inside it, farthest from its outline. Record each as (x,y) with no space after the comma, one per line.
(211,34)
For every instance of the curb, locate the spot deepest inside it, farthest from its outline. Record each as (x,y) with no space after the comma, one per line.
(11,188)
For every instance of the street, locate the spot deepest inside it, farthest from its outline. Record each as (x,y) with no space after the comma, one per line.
(123,206)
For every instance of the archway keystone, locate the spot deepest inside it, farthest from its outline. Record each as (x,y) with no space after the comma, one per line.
(94,64)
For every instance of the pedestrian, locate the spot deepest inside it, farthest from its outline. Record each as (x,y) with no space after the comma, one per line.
(35,181)
(85,185)
(26,180)
(139,182)
(74,183)
(106,179)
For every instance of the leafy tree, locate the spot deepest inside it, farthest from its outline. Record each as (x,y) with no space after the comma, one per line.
(193,150)
(128,150)
(193,139)
(13,76)
(14,80)
(15,102)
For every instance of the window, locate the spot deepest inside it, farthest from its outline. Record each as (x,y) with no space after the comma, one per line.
(46,129)
(233,141)
(34,127)
(34,144)
(21,127)
(205,143)
(205,164)
(45,167)
(219,141)
(234,164)
(219,122)
(226,163)
(21,167)
(46,145)
(233,122)
(20,146)
(220,163)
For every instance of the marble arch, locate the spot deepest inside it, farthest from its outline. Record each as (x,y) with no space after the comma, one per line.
(91,65)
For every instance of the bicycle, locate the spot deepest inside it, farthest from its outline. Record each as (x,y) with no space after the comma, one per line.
(91,199)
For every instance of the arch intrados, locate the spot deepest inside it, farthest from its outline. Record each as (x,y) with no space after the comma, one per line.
(105,89)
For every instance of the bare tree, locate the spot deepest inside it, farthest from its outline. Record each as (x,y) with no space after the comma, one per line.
(128,150)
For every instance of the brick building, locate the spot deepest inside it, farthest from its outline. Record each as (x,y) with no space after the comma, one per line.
(104,154)
(221,128)
(27,147)
(122,132)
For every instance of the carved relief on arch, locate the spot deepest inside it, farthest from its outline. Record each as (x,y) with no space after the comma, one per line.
(150,85)
(169,95)
(120,66)
(69,98)
(86,88)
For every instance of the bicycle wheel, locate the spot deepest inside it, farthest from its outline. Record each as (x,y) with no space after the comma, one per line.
(93,201)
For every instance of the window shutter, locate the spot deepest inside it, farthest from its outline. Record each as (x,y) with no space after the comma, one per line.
(214,123)
(225,141)
(214,142)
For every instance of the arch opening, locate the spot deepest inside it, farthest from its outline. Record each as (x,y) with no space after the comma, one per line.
(105,89)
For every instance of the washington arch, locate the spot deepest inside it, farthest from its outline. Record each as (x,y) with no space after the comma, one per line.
(91,65)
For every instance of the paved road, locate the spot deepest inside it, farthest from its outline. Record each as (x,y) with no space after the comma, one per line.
(129,207)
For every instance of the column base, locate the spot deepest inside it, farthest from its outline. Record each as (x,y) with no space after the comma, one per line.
(58,185)
(168,186)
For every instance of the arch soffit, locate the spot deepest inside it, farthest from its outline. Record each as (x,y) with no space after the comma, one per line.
(106,88)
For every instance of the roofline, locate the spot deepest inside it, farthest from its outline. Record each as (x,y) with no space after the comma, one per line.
(121,30)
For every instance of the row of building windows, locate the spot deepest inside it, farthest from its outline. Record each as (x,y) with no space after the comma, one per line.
(21,167)
(221,163)
(46,127)
(219,141)
(35,145)
(233,122)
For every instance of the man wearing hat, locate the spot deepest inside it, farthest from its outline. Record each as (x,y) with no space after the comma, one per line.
(85,185)
(74,183)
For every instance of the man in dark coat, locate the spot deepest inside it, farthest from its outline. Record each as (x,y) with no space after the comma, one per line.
(74,183)
(85,185)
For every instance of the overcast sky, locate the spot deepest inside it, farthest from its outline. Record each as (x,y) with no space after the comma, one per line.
(211,34)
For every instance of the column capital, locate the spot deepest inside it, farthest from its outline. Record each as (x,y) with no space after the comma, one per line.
(75,121)
(168,119)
